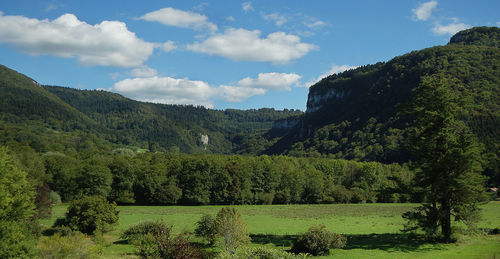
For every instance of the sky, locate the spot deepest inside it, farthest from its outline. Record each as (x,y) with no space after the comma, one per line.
(220,53)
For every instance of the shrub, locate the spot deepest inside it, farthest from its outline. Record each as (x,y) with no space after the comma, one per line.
(90,214)
(318,241)
(206,227)
(163,245)
(136,232)
(232,228)
(74,245)
(260,253)
(55,198)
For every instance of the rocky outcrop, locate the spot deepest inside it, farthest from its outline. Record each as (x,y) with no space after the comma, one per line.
(317,99)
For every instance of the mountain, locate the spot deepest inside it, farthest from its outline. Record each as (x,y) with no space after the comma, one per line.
(356,114)
(49,118)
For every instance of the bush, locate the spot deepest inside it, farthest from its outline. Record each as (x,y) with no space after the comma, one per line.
(74,245)
(164,245)
(55,198)
(318,241)
(90,214)
(136,232)
(206,227)
(260,253)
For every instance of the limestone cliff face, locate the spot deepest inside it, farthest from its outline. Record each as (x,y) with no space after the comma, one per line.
(318,97)
(286,124)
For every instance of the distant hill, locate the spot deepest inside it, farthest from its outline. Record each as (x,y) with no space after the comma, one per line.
(355,114)
(59,118)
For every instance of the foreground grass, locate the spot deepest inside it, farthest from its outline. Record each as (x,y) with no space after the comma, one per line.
(373,230)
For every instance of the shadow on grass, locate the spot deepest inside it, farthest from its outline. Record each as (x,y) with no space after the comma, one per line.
(122,242)
(277,240)
(386,242)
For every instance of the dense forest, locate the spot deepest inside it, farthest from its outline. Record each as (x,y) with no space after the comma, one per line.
(168,178)
(359,114)
(50,118)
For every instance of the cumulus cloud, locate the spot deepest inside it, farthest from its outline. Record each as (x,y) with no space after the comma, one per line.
(109,43)
(247,6)
(178,18)
(271,81)
(239,94)
(166,90)
(245,45)
(143,71)
(170,90)
(168,46)
(277,18)
(230,18)
(449,29)
(335,69)
(424,11)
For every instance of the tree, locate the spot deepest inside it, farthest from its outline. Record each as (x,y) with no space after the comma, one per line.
(90,214)
(16,208)
(206,227)
(232,228)
(95,179)
(448,158)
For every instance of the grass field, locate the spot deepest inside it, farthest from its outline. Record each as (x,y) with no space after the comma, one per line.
(373,230)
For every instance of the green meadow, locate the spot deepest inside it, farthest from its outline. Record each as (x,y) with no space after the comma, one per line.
(373,230)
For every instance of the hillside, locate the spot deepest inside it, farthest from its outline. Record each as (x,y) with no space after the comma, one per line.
(51,118)
(356,114)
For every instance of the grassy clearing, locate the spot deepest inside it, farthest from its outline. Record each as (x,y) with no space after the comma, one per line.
(373,230)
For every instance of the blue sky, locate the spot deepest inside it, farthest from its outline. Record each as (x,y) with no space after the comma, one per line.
(220,54)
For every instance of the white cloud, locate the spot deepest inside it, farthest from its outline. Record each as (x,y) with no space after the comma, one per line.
(178,18)
(239,94)
(168,46)
(424,11)
(109,43)
(271,81)
(314,25)
(335,69)
(170,90)
(277,18)
(51,7)
(230,18)
(449,29)
(143,71)
(244,45)
(166,90)
(201,7)
(247,6)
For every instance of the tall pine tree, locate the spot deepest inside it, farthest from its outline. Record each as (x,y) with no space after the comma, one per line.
(448,155)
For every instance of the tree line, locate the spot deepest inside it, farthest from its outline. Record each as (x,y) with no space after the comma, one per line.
(127,177)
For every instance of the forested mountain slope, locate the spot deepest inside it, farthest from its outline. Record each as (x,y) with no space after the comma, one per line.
(357,114)
(51,118)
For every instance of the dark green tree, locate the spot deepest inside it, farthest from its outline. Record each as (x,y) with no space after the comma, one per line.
(448,157)
(90,215)
(206,227)
(16,208)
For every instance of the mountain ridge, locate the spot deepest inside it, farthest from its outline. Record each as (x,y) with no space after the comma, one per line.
(356,114)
